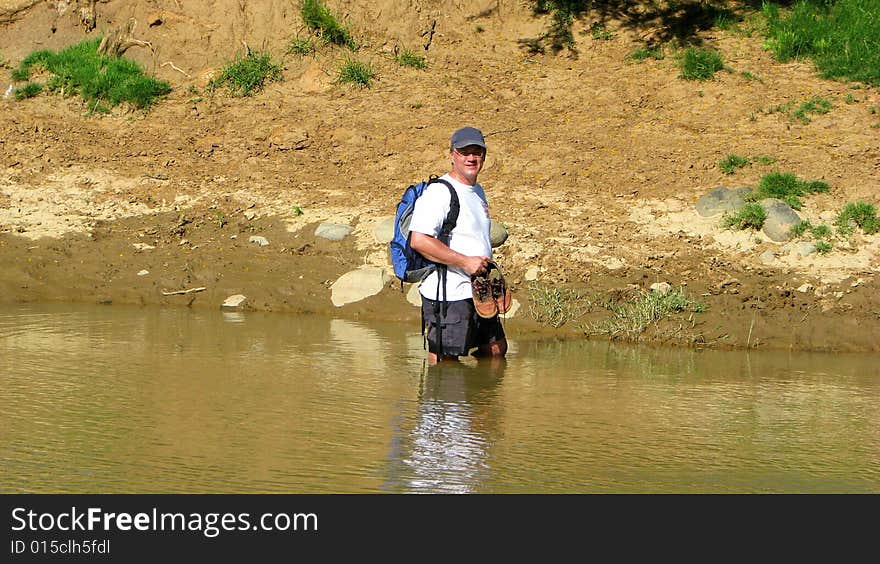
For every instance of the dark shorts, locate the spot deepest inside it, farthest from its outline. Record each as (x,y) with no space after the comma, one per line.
(462,329)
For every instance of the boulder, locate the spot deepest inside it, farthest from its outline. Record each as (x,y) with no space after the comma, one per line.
(721,200)
(780,219)
(333,231)
(358,284)
(384,230)
(497,234)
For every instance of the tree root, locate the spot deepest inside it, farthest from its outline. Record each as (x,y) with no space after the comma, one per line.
(120,40)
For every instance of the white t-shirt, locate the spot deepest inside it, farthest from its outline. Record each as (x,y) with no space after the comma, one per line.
(470,236)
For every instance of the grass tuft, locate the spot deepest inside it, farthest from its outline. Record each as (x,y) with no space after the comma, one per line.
(750,216)
(407,58)
(633,317)
(858,214)
(29,90)
(786,187)
(102,81)
(699,64)
(731,163)
(247,75)
(324,24)
(556,307)
(357,72)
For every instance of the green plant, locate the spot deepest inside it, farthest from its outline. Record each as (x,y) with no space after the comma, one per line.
(821,231)
(731,162)
(786,187)
(247,74)
(643,53)
(554,306)
(633,317)
(849,98)
(750,216)
(749,76)
(841,37)
(301,46)
(562,16)
(98,79)
(297,210)
(800,228)
(765,159)
(407,58)
(699,64)
(598,32)
(815,105)
(861,214)
(324,24)
(823,247)
(357,72)
(29,90)
(479,29)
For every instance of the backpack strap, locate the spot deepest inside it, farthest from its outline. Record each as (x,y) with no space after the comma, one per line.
(454,207)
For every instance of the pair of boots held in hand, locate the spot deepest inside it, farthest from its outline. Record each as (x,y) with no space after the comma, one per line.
(491,294)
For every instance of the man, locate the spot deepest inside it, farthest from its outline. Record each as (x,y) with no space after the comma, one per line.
(468,253)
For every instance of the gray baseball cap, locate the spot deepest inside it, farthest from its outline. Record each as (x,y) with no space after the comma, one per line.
(467,136)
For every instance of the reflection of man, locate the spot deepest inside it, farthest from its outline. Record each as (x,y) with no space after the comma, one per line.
(447,450)
(468,253)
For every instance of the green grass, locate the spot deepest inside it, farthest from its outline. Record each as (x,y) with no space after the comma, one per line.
(647,52)
(324,24)
(554,306)
(858,214)
(786,187)
(731,163)
(815,105)
(841,37)
(29,90)
(301,46)
(750,216)
(407,58)
(633,317)
(247,75)
(823,247)
(101,81)
(699,64)
(357,73)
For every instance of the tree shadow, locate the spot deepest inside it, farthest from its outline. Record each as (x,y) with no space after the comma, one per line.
(679,22)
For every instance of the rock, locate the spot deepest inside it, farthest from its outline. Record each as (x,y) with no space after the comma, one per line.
(720,200)
(804,288)
(413,296)
(234,303)
(532,273)
(290,140)
(768,257)
(384,230)
(258,240)
(803,249)
(514,307)
(497,234)
(143,272)
(661,288)
(249,215)
(143,246)
(358,284)
(780,219)
(332,231)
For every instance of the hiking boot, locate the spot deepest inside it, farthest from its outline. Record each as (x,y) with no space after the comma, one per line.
(484,303)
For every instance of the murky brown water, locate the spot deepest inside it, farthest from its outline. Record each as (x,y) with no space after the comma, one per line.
(111,399)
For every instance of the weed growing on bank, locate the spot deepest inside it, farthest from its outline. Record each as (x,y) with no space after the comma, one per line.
(647,52)
(841,37)
(247,75)
(858,214)
(29,90)
(556,307)
(787,187)
(324,24)
(301,46)
(750,216)
(633,317)
(732,162)
(408,58)
(357,73)
(699,64)
(98,79)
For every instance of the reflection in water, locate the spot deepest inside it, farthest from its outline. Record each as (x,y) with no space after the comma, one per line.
(447,449)
(113,399)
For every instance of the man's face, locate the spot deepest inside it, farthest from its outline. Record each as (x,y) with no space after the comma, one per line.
(468,161)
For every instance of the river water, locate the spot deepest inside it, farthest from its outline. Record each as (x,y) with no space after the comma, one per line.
(109,399)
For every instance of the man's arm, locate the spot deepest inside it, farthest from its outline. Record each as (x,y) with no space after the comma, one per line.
(434,250)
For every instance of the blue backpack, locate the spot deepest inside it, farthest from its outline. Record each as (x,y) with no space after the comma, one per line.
(410,266)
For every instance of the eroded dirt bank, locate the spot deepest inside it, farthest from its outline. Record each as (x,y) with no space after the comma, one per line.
(594,167)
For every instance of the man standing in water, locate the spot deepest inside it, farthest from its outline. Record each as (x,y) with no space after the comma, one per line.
(468,253)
